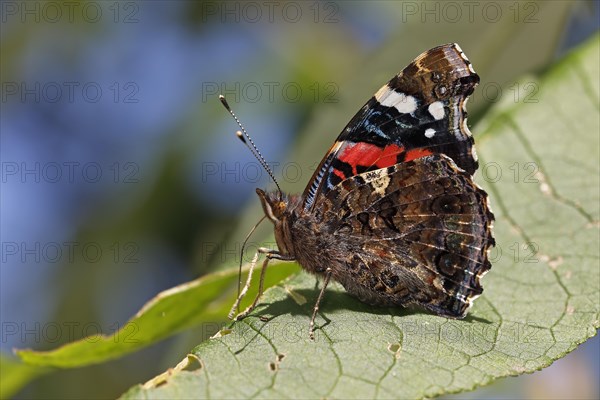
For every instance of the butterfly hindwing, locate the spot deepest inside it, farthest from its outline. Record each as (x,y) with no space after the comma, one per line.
(419,112)
(424,230)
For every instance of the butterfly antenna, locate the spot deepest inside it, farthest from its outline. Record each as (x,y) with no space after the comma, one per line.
(242,257)
(245,138)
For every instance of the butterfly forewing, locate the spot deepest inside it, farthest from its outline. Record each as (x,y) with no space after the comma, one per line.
(419,112)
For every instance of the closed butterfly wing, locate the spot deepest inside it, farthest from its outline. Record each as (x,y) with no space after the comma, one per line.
(392,212)
(422,230)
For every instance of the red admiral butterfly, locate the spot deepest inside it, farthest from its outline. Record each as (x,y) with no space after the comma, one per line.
(392,212)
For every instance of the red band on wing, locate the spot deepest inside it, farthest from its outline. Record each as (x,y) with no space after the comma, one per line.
(389,156)
(367,155)
(416,153)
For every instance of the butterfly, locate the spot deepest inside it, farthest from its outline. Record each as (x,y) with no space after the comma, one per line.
(392,211)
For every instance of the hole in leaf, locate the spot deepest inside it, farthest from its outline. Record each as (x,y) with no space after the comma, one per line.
(193,363)
(395,348)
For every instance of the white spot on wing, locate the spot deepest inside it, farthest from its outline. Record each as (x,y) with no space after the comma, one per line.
(390,98)
(436,110)
(429,133)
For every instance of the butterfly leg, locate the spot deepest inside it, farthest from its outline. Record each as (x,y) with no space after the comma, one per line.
(270,254)
(311,326)
(251,307)
(247,285)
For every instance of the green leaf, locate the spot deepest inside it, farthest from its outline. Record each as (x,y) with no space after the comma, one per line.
(14,375)
(205,299)
(540,299)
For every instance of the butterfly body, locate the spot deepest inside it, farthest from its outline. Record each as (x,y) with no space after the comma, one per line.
(392,212)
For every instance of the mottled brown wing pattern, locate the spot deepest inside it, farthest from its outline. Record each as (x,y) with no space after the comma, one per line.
(424,229)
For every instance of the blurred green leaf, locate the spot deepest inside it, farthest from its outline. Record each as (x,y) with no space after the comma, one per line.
(205,299)
(14,375)
(540,299)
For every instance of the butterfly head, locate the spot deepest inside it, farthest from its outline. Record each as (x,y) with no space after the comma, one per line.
(280,210)
(273,205)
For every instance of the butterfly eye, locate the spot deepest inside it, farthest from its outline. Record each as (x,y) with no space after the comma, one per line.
(281,207)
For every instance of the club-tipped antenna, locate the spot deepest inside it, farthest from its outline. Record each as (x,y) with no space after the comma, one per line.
(247,140)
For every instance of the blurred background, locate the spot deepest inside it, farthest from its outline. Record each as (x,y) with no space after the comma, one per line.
(121,174)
